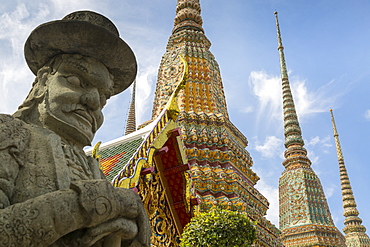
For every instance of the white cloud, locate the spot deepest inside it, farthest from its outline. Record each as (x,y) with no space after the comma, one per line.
(15,82)
(144,93)
(302,99)
(314,141)
(327,142)
(308,102)
(267,88)
(16,26)
(317,144)
(273,146)
(321,142)
(367,115)
(63,7)
(272,195)
(337,216)
(312,156)
(247,109)
(15,77)
(329,191)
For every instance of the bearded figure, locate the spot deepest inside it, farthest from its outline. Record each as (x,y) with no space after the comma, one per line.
(51,193)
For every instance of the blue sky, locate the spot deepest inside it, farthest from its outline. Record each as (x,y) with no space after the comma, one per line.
(327,53)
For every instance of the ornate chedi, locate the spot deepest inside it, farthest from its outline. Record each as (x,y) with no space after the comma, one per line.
(305,219)
(355,232)
(220,165)
(131,118)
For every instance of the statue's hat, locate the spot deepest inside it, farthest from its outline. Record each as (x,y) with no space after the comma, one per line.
(86,33)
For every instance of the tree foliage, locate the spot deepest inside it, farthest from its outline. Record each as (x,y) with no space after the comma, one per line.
(219,228)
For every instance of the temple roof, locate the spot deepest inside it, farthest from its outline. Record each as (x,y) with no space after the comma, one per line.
(117,153)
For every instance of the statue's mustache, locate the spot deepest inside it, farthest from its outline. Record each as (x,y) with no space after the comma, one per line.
(82,111)
(72,107)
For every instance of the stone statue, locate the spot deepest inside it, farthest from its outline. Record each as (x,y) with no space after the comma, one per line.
(51,193)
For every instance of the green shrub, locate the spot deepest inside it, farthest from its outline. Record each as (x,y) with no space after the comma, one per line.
(219,228)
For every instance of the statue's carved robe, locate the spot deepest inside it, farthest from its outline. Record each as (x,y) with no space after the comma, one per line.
(37,206)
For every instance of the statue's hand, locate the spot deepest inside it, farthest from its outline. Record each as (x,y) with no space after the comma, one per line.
(130,231)
(113,211)
(114,231)
(102,202)
(142,221)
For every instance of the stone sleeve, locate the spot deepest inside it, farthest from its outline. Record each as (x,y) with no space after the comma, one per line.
(43,220)
(13,140)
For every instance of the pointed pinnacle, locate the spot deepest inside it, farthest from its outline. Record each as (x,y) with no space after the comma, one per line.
(188,16)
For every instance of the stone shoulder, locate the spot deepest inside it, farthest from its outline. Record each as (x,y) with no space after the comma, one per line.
(13,132)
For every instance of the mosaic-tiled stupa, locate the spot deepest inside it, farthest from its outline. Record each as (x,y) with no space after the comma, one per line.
(221,167)
(355,232)
(131,116)
(305,218)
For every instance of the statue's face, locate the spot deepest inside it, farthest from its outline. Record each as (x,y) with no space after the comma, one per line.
(75,96)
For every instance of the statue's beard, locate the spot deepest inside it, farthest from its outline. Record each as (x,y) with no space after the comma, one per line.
(77,134)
